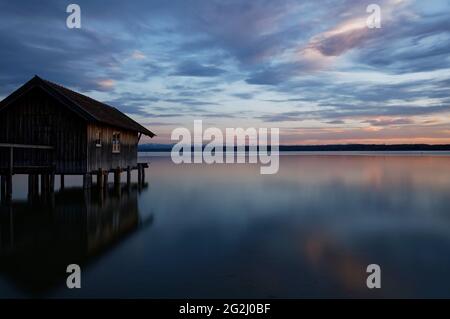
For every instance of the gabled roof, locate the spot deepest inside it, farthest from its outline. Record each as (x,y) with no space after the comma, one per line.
(88,108)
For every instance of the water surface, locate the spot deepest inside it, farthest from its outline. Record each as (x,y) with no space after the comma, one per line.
(207,231)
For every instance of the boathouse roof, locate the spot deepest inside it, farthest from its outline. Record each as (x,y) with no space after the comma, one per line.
(88,108)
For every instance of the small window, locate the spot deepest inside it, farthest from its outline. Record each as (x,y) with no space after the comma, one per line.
(116,142)
(98,138)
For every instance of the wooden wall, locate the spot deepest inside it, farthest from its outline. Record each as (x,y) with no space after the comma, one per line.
(37,118)
(103,157)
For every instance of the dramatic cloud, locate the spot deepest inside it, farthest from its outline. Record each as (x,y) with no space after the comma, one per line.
(196,69)
(284,63)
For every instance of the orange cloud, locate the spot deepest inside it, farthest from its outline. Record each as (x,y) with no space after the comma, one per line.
(106,84)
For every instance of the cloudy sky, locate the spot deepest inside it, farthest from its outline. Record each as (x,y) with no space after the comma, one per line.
(311,68)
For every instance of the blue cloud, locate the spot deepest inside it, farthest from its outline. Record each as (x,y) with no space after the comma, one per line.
(206,58)
(196,69)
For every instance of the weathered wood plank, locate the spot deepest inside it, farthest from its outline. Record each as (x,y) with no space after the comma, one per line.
(28,146)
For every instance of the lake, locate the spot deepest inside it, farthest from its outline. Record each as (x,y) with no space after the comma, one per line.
(225,231)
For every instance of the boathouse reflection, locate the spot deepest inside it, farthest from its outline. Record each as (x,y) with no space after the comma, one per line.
(41,236)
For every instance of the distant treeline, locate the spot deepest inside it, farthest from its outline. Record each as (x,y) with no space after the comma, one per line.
(365,147)
(324,148)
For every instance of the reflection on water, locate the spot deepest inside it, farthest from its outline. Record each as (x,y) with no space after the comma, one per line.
(227,231)
(41,236)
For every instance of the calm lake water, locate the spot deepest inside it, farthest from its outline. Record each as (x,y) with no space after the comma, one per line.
(207,231)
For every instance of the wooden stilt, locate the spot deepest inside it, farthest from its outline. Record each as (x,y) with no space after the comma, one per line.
(117,177)
(87,181)
(143,175)
(35,181)
(51,182)
(31,184)
(105,180)
(101,196)
(139,167)
(117,185)
(128,176)
(3,187)
(87,198)
(44,183)
(100,179)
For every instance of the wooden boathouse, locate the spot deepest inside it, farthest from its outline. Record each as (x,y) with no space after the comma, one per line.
(47,130)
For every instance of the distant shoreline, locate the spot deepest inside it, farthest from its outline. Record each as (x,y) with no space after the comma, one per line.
(328,153)
(366,148)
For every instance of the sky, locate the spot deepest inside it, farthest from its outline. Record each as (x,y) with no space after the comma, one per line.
(313,69)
